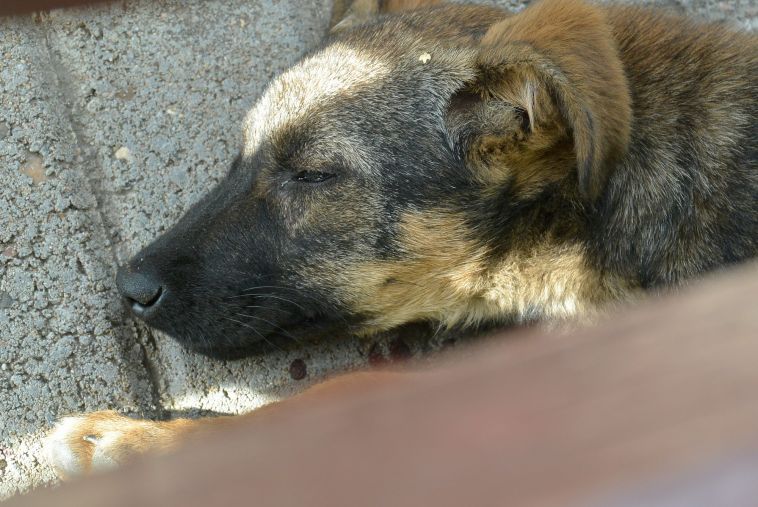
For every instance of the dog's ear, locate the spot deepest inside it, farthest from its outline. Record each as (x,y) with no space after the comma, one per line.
(549,93)
(349,13)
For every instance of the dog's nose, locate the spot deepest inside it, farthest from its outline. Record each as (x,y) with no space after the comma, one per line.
(143,291)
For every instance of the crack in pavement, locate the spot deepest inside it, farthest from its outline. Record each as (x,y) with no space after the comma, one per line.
(93,173)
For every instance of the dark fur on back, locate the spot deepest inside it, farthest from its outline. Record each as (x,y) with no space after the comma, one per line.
(685,198)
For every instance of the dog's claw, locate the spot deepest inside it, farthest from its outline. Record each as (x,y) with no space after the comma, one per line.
(92,439)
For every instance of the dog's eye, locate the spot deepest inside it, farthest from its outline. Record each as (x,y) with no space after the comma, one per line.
(312,176)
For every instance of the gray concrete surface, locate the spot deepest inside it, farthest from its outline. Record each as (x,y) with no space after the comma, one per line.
(113,120)
(63,346)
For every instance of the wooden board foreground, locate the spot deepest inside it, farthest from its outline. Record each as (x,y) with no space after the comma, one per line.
(11,7)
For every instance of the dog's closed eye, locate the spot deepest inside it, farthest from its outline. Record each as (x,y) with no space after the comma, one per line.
(312,176)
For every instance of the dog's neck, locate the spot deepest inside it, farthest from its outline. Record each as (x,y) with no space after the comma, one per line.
(462,284)
(548,281)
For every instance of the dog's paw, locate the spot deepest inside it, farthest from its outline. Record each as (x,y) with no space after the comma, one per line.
(102,440)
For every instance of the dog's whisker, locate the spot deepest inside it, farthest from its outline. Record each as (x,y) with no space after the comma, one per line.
(320,303)
(262,307)
(251,292)
(300,292)
(281,298)
(273,287)
(256,332)
(284,331)
(233,306)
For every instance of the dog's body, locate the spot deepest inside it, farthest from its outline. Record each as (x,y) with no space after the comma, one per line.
(463,166)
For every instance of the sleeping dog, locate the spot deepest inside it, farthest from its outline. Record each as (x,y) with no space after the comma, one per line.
(460,165)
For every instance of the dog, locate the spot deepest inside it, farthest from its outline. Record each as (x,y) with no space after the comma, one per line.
(460,165)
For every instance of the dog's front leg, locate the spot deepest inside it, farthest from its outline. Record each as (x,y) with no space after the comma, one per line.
(102,440)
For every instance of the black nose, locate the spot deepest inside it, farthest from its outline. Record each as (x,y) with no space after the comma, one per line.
(142,290)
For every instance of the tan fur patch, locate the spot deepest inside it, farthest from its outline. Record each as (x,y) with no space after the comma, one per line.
(550,281)
(291,96)
(440,273)
(450,278)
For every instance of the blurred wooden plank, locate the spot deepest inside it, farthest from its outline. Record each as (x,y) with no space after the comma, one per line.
(658,403)
(10,7)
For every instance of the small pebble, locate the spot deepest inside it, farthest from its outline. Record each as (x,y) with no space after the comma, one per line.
(34,167)
(123,153)
(298,370)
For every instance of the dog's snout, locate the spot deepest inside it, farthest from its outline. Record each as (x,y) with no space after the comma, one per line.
(142,290)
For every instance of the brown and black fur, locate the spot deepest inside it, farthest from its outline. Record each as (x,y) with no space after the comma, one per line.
(466,166)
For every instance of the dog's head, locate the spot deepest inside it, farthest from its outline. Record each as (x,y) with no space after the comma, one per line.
(380,180)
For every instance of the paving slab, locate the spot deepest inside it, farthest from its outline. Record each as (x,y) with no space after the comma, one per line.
(113,120)
(62,346)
